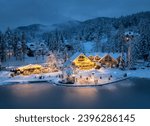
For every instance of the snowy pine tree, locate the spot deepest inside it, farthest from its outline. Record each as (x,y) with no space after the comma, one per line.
(52,62)
(144,47)
(9,42)
(19,51)
(23,44)
(2,48)
(15,43)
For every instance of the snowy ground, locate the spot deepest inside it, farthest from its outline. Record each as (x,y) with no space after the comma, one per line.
(97,77)
(109,75)
(92,75)
(6,79)
(140,73)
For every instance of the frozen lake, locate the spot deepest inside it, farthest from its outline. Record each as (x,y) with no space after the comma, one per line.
(131,93)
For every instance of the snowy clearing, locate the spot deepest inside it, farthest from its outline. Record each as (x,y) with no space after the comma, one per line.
(53,77)
(6,79)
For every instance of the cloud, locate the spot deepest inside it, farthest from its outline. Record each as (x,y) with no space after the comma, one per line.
(23,12)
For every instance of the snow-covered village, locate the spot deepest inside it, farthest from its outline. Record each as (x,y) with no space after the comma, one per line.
(87,58)
(99,52)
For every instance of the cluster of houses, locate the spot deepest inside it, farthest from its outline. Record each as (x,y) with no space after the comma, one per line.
(90,61)
(34,48)
(78,61)
(94,60)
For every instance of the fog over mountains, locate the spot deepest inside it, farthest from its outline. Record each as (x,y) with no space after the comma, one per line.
(105,34)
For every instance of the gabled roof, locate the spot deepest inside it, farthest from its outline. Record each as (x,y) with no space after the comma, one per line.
(30,66)
(100,54)
(115,55)
(72,58)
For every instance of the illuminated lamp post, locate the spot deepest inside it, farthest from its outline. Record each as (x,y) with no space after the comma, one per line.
(128,39)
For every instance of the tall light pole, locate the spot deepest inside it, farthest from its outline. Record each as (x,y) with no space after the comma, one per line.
(128,39)
(122,53)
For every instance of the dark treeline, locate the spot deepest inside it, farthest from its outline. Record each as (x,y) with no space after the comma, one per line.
(12,44)
(72,34)
(112,29)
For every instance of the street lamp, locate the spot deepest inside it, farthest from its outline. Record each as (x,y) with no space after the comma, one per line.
(128,39)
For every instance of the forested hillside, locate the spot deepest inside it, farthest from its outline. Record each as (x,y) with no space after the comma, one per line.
(106,34)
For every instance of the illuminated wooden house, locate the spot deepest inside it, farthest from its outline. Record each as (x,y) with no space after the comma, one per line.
(91,57)
(105,59)
(29,69)
(95,57)
(108,61)
(80,61)
(93,60)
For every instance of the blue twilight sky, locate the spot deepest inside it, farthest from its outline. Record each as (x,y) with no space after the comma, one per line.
(23,12)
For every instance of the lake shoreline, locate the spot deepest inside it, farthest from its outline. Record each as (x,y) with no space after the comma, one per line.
(132,93)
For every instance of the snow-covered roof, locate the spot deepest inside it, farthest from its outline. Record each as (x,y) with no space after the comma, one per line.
(67,63)
(115,55)
(72,58)
(100,54)
(31,46)
(34,46)
(29,66)
(129,33)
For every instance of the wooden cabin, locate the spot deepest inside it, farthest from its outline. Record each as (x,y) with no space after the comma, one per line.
(80,61)
(108,61)
(95,60)
(91,57)
(83,62)
(29,69)
(105,59)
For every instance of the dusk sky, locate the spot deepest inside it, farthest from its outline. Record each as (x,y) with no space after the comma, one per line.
(14,13)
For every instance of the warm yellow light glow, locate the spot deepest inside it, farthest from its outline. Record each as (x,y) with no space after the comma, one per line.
(31,69)
(84,63)
(108,60)
(35,66)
